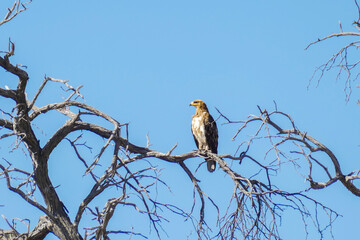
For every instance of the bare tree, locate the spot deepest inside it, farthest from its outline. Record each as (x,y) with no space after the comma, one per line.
(344,60)
(256,203)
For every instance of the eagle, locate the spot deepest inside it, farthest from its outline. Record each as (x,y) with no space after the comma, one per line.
(205,132)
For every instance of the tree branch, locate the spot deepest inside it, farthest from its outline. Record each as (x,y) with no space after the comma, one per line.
(21,193)
(341,34)
(16,8)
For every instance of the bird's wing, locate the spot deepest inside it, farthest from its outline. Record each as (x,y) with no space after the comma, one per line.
(211,133)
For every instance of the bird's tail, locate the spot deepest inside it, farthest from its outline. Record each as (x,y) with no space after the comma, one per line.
(211,164)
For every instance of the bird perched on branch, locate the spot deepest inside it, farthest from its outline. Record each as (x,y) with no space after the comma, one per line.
(205,132)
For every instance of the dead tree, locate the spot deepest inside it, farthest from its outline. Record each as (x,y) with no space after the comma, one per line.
(345,60)
(256,203)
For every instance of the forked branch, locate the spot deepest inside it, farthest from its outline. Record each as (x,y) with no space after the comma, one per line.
(13,11)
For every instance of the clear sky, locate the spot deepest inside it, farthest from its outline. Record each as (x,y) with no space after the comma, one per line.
(143,62)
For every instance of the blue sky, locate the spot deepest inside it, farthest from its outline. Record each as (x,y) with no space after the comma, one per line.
(143,62)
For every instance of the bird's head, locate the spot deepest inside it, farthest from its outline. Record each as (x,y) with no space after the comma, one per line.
(198,104)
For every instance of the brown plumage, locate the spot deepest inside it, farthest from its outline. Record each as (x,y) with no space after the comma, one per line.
(205,131)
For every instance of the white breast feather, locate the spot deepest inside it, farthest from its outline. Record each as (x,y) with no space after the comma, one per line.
(199,131)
